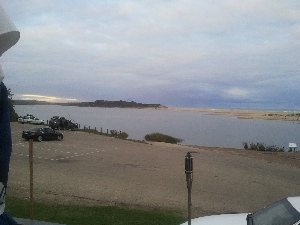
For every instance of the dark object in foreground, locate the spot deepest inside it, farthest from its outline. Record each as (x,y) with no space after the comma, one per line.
(189,180)
(162,138)
(42,134)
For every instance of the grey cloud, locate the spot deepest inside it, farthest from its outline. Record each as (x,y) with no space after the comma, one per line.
(176,52)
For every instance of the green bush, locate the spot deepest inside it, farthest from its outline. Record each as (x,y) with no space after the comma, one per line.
(158,137)
(262,147)
(113,133)
(121,134)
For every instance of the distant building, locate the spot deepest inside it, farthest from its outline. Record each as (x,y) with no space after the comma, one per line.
(293,147)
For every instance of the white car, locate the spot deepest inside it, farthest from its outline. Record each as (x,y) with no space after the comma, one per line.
(283,212)
(37,121)
(26,119)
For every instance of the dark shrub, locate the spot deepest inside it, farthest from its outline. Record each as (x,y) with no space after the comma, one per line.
(262,147)
(123,135)
(114,133)
(245,144)
(253,146)
(158,137)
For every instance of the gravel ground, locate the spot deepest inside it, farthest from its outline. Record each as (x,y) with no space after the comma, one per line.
(97,170)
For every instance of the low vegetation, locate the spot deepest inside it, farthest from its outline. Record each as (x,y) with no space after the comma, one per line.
(262,147)
(158,137)
(111,133)
(97,103)
(118,134)
(97,215)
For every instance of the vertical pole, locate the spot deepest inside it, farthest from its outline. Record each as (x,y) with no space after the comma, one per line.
(31,177)
(189,203)
(189,181)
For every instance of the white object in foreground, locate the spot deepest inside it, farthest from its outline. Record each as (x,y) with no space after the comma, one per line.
(283,212)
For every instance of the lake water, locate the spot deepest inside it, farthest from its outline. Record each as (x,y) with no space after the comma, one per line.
(193,127)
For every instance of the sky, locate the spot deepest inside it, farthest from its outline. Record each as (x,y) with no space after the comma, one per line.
(185,53)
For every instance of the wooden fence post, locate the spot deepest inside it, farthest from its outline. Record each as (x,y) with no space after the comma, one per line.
(31,177)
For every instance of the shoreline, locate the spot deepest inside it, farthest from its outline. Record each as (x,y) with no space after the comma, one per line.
(286,115)
(244,113)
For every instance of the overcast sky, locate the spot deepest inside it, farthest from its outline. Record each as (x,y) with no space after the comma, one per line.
(194,53)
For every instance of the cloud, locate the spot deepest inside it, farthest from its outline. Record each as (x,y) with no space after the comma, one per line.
(236,93)
(176,52)
(44,98)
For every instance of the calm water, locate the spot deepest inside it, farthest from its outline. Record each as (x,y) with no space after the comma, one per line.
(193,127)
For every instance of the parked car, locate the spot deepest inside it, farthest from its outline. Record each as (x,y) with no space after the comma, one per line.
(283,212)
(61,123)
(26,119)
(42,134)
(37,121)
(20,119)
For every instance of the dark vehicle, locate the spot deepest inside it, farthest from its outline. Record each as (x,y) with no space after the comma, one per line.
(61,123)
(42,133)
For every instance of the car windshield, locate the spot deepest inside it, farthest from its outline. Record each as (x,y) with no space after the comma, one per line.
(35,129)
(279,213)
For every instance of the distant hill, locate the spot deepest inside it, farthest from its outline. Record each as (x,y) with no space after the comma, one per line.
(97,103)
(30,102)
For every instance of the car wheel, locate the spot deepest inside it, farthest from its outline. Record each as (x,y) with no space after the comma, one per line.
(59,137)
(39,138)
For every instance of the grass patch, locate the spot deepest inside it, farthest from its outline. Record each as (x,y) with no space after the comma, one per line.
(97,215)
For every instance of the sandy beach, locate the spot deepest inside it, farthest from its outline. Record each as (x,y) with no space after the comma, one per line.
(97,170)
(245,113)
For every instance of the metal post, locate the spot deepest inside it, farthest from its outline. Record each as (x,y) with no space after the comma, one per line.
(189,181)
(31,177)
(189,205)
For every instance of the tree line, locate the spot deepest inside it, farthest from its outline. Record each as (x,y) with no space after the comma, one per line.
(13,114)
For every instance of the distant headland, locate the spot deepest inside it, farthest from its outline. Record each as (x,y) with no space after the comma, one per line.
(239,113)
(97,103)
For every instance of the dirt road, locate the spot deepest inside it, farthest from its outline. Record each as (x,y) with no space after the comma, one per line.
(97,170)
